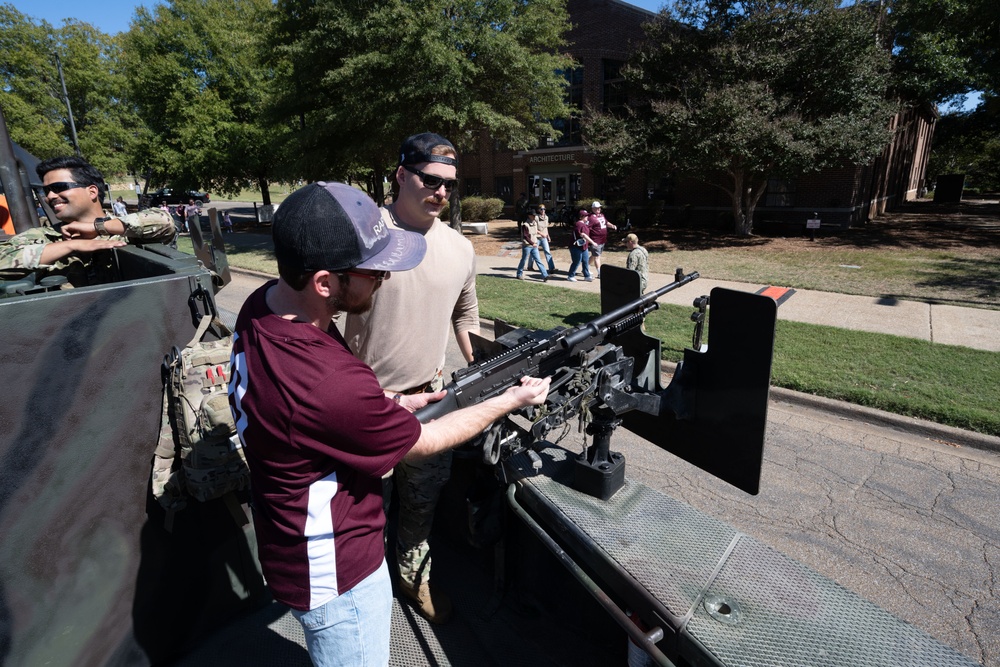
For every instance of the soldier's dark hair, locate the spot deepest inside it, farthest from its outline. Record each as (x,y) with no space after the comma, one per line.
(83,172)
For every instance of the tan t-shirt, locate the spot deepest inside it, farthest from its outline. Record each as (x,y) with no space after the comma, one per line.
(404,336)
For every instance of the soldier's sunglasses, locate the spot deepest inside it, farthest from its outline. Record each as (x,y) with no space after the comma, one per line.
(432,182)
(61,186)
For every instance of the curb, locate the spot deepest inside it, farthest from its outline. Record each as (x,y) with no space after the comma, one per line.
(949,435)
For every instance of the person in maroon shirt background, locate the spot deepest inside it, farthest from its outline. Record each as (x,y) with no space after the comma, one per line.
(318,430)
(598,233)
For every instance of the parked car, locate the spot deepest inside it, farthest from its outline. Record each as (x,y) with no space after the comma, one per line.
(170,196)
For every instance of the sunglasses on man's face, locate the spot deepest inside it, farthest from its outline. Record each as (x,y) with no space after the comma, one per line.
(432,182)
(377,276)
(61,186)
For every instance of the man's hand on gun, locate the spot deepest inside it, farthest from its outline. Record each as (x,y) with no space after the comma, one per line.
(531,391)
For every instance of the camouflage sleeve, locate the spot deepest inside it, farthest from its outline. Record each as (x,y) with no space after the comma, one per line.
(23,252)
(150,224)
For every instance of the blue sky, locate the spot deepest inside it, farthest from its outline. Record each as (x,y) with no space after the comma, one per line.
(113,16)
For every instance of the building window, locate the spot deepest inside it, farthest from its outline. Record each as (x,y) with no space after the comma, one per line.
(780,193)
(473,187)
(615,95)
(572,131)
(502,187)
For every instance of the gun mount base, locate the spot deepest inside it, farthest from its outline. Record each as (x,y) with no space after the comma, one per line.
(599,472)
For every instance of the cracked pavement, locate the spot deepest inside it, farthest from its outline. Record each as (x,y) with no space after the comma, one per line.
(908,523)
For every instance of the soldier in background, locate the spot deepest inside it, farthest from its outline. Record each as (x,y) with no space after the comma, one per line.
(75,191)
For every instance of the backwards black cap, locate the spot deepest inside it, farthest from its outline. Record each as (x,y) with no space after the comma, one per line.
(417,149)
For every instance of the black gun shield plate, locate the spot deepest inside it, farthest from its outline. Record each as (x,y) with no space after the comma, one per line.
(727,388)
(618,287)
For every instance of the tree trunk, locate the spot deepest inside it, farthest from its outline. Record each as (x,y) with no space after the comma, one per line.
(738,195)
(265,190)
(455,211)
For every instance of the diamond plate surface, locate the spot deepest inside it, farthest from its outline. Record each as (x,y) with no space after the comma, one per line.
(668,546)
(791,615)
(762,609)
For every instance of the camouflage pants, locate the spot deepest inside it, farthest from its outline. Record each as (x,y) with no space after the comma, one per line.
(418,487)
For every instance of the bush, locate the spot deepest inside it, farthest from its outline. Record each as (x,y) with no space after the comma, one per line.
(481,209)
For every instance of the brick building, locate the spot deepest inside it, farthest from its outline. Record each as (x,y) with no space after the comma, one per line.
(558,173)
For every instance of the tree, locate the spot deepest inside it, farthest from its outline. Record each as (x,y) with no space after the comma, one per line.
(28,97)
(356,78)
(197,81)
(95,84)
(736,93)
(943,48)
(31,93)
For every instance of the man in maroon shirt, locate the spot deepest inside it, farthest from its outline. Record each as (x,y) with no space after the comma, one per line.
(318,430)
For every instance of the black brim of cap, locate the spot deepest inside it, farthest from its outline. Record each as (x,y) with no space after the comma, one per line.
(404,251)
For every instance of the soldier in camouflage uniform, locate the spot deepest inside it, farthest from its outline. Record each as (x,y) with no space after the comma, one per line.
(75,190)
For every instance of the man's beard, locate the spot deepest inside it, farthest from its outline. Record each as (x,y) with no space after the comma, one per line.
(336,304)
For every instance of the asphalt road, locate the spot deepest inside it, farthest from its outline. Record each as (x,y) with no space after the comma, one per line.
(908,523)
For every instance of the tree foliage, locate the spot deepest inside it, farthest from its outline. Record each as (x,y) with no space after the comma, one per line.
(357,77)
(943,48)
(31,93)
(736,93)
(198,82)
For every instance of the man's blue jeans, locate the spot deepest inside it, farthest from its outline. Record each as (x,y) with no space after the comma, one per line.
(532,252)
(352,628)
(543,245)
(580,256)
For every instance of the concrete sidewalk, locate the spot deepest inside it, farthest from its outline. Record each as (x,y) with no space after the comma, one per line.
(949,325)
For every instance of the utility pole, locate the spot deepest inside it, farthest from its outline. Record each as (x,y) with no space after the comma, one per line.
(69,109)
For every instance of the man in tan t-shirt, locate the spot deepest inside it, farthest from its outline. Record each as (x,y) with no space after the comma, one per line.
(405,335)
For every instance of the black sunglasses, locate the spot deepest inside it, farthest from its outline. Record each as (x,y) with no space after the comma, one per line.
(378,276)
(432,182)
(61,186)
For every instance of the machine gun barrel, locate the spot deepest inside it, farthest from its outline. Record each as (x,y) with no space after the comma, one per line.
(640,307)
(494,376)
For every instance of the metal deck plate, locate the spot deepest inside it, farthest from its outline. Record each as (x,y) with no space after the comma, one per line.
(749,605)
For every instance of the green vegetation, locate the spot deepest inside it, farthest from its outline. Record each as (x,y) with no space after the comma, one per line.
(942,383)
(955,276)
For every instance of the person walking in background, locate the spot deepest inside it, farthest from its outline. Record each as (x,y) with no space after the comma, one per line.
(119,208)
(192,214)
(521,207)
(181,221)
(598,233)
(542,222)
(227,222)
(637,260)
(529,247)
(579,248)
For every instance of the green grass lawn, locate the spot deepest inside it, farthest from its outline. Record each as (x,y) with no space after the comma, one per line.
(947,384)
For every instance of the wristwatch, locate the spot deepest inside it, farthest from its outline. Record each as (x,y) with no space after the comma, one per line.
(100,228)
